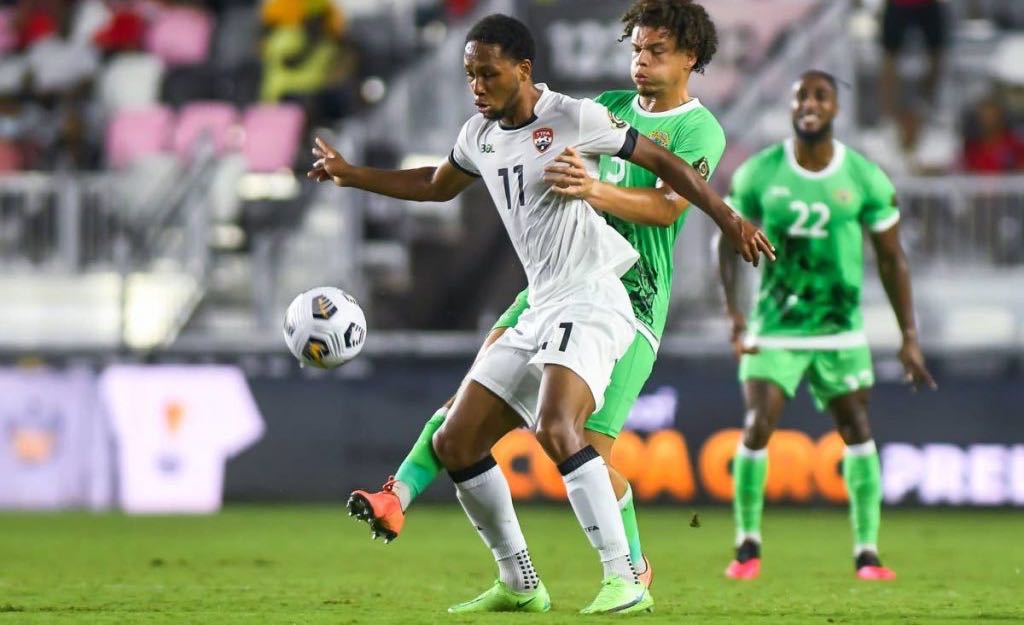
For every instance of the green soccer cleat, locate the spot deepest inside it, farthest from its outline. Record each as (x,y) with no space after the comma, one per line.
(501,598)
(620,597)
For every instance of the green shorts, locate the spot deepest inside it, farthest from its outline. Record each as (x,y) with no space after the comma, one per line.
(830,373)
(628,377)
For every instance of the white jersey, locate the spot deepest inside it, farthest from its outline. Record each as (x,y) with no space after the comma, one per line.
(562,242)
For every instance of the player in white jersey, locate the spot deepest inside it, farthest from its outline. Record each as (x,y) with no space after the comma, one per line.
(551,369)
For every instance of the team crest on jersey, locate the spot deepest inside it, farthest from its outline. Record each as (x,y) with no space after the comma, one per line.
(660,137)
(543,138)
(616,122)
(843,195)
(702,167)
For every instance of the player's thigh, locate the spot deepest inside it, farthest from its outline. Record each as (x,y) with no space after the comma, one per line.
(783,368)
(628,377)
(491,338)
(588,334)
(477,420)
(839,372)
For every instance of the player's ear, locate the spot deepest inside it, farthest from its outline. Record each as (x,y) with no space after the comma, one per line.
(689,60)
(524,69)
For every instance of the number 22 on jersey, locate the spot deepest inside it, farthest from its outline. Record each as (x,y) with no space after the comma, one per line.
(810,221)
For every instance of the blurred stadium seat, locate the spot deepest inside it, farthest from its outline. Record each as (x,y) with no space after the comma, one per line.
(211,118)
(137,132)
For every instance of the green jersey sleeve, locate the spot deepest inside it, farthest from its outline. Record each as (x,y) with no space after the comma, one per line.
(743,194)
(511,316)
(879,212)
(702,147)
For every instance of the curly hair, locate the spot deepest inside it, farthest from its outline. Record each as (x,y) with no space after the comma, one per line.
(690,23)
(508,33)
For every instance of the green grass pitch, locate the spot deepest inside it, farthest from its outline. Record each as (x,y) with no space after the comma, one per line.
(313,565)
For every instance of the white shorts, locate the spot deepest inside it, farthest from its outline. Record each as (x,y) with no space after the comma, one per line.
(586,331)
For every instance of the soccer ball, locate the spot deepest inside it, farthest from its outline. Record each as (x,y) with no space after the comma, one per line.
(325,327)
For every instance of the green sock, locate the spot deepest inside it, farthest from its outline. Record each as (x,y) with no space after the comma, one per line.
(636,553)
(863,475)
(421,466)
(749,471)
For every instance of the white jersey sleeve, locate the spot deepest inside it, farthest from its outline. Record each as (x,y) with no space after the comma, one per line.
(462,154)
(601,132)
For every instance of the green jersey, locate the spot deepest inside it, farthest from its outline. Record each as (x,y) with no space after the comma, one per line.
(693,134)
(810,296)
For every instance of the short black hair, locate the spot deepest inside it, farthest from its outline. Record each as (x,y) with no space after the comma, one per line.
(827,77)
(511,35)
(688,21)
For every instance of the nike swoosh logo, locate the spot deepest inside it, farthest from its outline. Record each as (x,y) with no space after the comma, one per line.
(632,603)
(522,604)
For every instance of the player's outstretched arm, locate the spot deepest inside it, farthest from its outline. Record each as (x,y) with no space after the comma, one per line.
(745,238)
(568,176)
(895,275)
(425,184)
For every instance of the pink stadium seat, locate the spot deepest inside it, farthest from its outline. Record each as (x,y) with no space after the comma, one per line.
(8,36)
(181,35)
(134,133)
(272,136)
(198,118)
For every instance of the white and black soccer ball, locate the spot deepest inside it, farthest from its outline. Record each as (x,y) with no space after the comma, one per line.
(325,327)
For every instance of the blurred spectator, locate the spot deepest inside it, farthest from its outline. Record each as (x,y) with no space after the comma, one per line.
(305,58)
(992,145)
(124,29)
(901,17)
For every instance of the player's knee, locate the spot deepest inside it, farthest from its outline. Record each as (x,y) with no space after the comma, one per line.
(855,431)
(757,429)
(452,452)
(558,437)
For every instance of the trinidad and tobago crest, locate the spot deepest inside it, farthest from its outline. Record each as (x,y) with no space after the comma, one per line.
(543,138)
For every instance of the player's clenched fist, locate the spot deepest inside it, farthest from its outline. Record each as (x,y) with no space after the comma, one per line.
(329,164)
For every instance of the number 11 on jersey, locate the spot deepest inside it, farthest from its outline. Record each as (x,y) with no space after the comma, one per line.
(503,172)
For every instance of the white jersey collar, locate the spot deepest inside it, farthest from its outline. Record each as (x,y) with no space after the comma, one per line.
(838,156)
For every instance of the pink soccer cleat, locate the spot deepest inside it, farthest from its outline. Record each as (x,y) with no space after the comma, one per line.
(869,567)
(747,564)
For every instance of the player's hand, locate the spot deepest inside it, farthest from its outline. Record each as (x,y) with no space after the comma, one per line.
(915,373)
(568,175)
(329,164)
(748,240)
(739,335)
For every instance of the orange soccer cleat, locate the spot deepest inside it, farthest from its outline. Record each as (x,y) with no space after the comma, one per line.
(381,510)
(647,577)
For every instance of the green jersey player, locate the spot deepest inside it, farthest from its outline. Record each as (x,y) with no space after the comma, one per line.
(815,196)
(670,39)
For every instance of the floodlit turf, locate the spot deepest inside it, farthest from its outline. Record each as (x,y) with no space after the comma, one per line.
(310,565)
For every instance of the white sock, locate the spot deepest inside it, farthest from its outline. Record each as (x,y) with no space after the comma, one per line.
(487,500)
(401,490)
(593,500)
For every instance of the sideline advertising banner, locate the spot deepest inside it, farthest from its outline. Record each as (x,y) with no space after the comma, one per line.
(961,446)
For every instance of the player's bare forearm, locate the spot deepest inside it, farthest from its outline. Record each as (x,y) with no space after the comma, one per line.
(894,273)
(402,184)
(424,184)
(729,274)
(648,207)
(747,240)
(684,180)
